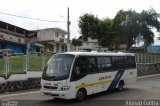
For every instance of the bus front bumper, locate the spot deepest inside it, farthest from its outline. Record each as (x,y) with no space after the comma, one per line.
(58,94)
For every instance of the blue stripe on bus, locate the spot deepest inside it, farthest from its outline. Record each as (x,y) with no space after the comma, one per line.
(116,79)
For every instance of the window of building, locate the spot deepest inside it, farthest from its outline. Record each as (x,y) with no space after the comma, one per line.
(63,35)
(1,36)
(57,34)
(19,39)
(50,48)
(62,49)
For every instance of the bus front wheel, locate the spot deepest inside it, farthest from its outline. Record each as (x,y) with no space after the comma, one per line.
(81,95)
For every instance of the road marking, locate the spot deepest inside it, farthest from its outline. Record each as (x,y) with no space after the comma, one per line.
(19,94)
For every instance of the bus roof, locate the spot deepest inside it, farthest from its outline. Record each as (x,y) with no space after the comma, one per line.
(100,53)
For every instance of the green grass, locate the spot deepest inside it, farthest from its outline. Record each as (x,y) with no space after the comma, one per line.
(17,64)
(35,63)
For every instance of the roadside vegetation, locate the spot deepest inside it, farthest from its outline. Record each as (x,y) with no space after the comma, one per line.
(127,27)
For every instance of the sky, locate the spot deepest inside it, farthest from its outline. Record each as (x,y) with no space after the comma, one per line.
(56,10)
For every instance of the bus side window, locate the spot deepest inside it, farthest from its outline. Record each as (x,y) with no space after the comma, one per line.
(130,62)
(79,69)
(92,66)
(104,63)
(118,62)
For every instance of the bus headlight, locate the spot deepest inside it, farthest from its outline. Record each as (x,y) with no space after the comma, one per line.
(65,88)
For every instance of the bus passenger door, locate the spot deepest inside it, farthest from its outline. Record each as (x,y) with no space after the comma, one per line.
(82,79)
(81,75)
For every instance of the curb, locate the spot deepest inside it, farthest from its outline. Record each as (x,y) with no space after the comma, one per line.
(145,76)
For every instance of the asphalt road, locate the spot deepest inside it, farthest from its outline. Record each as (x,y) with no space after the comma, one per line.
(145,92)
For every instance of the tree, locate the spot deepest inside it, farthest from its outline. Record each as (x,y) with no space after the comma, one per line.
(149,20)
(126,27)
(88,25)
(129,25)
(76,42)
(105,36)
(95,28)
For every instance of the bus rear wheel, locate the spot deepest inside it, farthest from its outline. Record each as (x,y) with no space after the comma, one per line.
(121,86)
(81,95)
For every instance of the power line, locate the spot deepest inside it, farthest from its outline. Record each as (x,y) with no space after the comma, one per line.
(31,18)
(37,19)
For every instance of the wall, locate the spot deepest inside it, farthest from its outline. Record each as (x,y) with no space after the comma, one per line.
(12,38)
(148,69)
(18,48)
(51,34)
(34,82)
(45,35)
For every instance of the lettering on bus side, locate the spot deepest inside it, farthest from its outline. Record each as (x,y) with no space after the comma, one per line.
(105,77)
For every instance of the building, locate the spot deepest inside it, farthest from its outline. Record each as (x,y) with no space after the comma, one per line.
(53,39)
(153,49)
(21,40)
(90,45)
(150,49)
(13,37)
(32,43)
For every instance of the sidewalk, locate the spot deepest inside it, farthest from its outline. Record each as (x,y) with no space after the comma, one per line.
(17,77)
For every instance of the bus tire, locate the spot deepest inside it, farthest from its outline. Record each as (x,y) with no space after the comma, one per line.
(81,95)
(121,86)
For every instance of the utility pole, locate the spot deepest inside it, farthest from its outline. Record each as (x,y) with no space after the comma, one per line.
(68,31)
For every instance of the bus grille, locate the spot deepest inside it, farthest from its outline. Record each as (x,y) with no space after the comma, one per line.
(50,87)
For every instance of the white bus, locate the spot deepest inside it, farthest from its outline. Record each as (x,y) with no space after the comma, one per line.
(78,74)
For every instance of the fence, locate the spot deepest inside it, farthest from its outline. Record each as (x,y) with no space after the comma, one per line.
(147,58)
(37,61)
(20,63)
(1,66)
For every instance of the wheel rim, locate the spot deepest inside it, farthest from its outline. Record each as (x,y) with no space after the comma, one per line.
(120,87)
(80,95)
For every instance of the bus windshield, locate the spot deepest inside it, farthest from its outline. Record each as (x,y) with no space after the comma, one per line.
(58,67)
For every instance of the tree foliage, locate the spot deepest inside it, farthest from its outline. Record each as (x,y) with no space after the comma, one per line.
(149,20)
(125,28)
(129,25)
(76,42)
(88,25)
(95,28)
(105,35)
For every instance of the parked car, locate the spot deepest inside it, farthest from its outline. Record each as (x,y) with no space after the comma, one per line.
(6,52)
